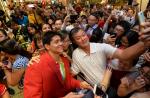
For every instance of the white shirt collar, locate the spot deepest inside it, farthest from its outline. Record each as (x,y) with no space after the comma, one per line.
(93,49)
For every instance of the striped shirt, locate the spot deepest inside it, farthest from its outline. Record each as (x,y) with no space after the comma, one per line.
(92,66)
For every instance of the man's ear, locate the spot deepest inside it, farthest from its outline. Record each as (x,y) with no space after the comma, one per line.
(47,47)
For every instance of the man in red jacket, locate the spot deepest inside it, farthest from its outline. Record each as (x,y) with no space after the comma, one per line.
(51,78)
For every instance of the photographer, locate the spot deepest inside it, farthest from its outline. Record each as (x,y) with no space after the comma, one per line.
(115,36)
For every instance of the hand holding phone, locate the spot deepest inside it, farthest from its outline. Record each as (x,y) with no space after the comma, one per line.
(142,19)
(114,35)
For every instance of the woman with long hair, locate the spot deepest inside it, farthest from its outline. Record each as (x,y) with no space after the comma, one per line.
(14,60)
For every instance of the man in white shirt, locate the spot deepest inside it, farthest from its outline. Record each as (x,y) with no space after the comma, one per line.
(91,58)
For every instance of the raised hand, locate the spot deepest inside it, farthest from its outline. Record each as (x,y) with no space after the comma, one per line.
(34,59)
(145,34)
(110,40)
(106,79)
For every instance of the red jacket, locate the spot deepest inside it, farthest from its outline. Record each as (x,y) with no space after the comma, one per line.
(44,80)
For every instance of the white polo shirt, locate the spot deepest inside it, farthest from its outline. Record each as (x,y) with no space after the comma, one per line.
(92,66)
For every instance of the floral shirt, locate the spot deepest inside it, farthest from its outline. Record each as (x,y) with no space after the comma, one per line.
(20,62)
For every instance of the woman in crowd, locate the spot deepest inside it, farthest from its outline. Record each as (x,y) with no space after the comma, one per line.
(33,34)
(3,36)
(67,45)
(50,21)
(14,60)
(45,28)
(32,30)
(121,68)
(136,84)
(38,45)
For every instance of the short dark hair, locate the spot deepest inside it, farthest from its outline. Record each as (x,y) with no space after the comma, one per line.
(95,15)
(58,19)
(33,26)
(126,25)
(64,34)
(12,47)
(132,37)
(72,32)
(47,38)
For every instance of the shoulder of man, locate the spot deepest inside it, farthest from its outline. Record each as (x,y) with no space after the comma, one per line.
(43,60)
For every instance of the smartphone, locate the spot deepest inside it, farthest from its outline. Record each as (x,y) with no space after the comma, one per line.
(95,87)
(141,17)
(98,91)
(114,35)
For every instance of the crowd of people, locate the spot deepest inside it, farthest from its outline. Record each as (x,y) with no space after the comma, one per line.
(74,51)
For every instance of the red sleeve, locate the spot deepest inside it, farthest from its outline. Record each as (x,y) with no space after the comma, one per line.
(2,89)
(33,83)
(74,83)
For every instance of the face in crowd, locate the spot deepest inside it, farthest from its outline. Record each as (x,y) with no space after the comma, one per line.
(124,41)
(81,39)
(3,35)
(66,43)
(92,20)
(55,45)
(31,30)
(130,13)
(58,24)
(46,28)
(119,30)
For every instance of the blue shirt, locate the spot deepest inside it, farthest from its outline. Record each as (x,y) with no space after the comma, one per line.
(23,21)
